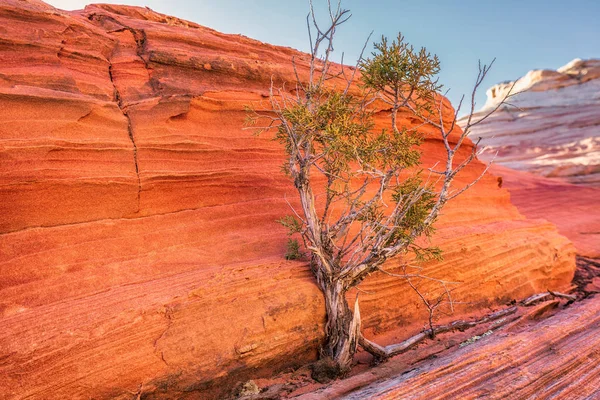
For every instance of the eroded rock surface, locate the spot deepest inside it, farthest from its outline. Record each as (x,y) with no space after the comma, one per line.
(556,358)
(574,209)
(139,254)
(551,126)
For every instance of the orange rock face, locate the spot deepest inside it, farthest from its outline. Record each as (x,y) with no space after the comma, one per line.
(138,249)
(572,208)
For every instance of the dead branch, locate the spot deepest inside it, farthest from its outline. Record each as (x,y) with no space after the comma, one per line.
(384,352)
(536,298)
(562,295)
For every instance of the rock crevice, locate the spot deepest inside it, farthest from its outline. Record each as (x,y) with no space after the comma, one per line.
(119,100)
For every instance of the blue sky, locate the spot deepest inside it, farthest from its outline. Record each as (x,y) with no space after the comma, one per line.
(522,35)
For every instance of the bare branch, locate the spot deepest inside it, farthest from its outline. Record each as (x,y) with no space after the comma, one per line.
(536,298)
(384,352)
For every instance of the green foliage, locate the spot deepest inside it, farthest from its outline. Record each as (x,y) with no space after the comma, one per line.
(338,128)
(294,226)
(291,223)
(293,250)
(417,200)
(399,71)
(404,77)
(424,254)
(332,132)
(328,123)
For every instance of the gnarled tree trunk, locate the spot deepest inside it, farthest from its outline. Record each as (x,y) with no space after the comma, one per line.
(342,329)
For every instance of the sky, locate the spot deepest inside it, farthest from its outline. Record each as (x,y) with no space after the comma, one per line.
(521,34)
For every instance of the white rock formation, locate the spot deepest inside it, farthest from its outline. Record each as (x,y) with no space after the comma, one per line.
(551,125)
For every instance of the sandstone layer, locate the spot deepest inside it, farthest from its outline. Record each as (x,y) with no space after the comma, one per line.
(550,125)
(554,358)
(138,250)
(574,209)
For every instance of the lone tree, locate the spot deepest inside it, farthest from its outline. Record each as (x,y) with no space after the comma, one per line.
(365,197)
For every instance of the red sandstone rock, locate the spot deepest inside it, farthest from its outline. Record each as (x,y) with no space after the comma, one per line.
(574,209)
(138,248)
(554,358)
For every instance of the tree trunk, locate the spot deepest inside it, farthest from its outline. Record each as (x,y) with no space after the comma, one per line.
(343,327)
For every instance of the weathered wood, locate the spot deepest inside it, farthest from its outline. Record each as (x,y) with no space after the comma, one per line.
(563,296)
(546,296)
(399,348)
(342,327)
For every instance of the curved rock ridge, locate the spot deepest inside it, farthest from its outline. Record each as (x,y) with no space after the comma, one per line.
(555,358)
(552,125)
(139,254)
(572,208)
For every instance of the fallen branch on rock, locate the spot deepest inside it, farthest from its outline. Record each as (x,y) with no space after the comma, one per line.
(563,296)
(384,352)
(545,296)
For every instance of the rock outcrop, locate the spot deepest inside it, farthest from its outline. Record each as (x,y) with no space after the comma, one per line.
(138,250)
(572,208)
(554,358)
(551,125)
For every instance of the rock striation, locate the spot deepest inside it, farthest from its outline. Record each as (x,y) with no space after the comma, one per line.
(551,126)
(572,208)
(139,257)
(556,358)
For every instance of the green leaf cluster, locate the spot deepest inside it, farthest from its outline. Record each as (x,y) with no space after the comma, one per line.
(399,71)
(293,250)
(332,132)
(418,199)
(292,224)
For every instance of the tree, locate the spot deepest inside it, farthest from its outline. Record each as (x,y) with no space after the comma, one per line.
(364,196)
